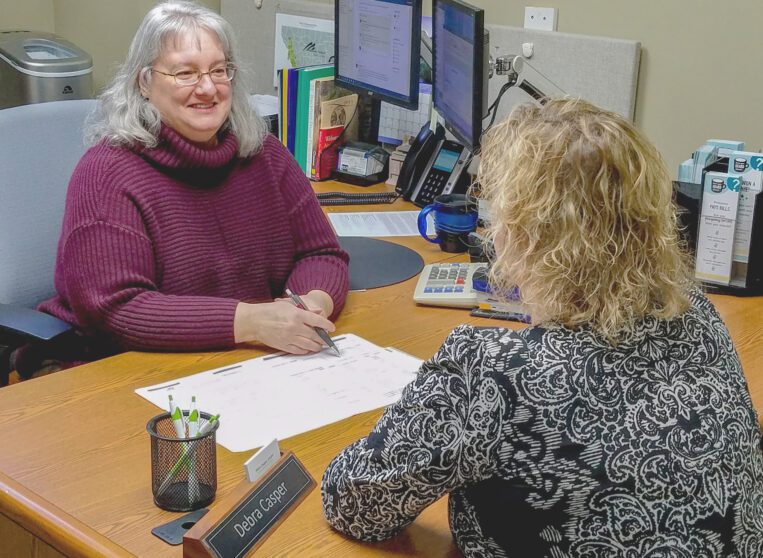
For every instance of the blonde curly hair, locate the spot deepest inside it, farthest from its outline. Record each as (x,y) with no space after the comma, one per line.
(583,219)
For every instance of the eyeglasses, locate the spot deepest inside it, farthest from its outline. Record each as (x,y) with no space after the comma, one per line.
(221,74)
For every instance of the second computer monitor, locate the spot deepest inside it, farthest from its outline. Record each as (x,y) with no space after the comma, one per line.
(459,45)
(377,45)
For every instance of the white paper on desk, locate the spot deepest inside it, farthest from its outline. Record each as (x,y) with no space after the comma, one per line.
(381,223)
(278,396)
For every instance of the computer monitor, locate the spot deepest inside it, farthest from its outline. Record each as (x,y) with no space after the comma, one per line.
(459,70)
(376,48)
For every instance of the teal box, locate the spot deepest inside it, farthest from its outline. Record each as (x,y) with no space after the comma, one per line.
(686,171)
(725,147)
(703,157)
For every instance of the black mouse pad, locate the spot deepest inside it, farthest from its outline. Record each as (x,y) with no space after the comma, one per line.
(378,263)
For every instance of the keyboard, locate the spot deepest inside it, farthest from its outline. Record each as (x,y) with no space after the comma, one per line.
(395,123)
(447,284)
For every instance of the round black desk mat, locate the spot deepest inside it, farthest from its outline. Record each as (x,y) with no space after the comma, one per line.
(378,263)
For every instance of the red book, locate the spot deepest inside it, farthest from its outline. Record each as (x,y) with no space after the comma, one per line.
(326,152)
(334,112)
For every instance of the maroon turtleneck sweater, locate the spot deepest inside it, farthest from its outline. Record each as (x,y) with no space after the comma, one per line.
(159,245)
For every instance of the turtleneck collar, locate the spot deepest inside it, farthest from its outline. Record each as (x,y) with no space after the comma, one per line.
(176,152)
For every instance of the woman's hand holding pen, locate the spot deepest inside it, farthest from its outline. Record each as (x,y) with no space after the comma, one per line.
(319,302)
(282,325)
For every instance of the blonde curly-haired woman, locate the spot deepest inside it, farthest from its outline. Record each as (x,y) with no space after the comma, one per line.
(619,423)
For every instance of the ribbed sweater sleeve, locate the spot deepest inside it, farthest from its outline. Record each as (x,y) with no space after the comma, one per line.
(110,276)
(319,262)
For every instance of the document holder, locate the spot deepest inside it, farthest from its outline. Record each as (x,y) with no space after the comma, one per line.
(688,198)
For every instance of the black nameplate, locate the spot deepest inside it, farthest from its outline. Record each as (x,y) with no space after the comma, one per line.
(261,510)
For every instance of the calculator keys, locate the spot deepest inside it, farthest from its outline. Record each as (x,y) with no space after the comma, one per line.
(447,284)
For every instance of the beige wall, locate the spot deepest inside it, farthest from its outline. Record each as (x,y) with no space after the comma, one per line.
(26,15)
(103,28)
(700,76)
(700,72)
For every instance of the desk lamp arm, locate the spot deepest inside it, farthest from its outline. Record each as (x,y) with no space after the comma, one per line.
(518,71)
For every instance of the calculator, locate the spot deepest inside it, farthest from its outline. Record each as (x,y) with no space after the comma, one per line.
(447,284)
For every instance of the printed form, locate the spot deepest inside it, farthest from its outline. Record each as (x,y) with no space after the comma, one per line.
(280,395)
(378,223)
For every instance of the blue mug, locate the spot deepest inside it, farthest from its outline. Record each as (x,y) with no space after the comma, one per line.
(455,216)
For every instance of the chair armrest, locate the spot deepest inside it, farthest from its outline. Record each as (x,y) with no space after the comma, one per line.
(31,323)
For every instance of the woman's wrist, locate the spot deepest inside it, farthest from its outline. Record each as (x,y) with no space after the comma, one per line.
(244,323)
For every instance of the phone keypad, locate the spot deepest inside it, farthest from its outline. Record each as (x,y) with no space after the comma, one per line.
(433,186)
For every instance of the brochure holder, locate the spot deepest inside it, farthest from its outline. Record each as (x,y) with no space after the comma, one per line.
(688,197)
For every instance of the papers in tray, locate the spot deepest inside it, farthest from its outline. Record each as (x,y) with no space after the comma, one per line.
(280,395)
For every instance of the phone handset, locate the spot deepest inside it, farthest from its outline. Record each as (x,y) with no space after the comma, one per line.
(434,165)
(417,159)
(444,173)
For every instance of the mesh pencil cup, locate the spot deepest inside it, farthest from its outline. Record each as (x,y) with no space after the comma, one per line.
(183,470)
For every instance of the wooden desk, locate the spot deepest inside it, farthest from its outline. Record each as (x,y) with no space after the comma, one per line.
(74,455)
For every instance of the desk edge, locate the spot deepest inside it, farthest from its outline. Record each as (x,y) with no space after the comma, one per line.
(52,525)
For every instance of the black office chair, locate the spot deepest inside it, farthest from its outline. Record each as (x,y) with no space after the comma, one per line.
(40,145)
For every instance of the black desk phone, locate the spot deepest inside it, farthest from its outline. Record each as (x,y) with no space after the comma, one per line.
(433,166)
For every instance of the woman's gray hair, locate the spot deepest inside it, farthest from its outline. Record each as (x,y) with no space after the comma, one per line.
(124,117)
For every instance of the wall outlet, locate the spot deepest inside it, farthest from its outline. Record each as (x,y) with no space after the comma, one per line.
(543,19)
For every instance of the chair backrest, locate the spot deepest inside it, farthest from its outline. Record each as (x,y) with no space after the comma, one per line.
(40,144)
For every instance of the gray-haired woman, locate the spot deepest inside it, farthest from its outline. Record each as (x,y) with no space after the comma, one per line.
(185,219)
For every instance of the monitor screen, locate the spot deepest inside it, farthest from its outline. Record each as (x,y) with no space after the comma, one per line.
(458,42)
(377,45)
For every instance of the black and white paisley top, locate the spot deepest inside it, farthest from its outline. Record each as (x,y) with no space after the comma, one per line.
(550,442)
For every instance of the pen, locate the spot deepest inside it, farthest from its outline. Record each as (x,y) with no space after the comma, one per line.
(208,425)
(177,419)
(193,431)
(320,331)
(193,419)
(188,452)
(500,315)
